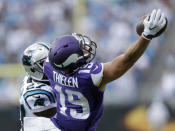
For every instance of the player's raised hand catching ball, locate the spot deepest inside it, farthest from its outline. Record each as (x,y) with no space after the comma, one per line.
(153,25)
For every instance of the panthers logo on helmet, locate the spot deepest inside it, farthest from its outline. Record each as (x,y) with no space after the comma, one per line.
(26,59)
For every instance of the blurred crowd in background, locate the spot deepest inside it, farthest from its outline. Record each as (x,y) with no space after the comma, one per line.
(111,23)
(23,22)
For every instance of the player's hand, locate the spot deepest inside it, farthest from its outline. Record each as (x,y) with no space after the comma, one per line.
(153,24)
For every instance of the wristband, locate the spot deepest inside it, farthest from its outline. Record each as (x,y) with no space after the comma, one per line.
(148,37)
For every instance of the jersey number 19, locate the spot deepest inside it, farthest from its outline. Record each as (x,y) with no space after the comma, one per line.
(82,101)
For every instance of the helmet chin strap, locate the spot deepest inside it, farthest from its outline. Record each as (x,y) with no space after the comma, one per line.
(85,55)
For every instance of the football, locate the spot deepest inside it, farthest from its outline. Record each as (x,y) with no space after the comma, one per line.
(140,26)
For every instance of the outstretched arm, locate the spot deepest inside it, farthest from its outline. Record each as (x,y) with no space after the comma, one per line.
(118,66)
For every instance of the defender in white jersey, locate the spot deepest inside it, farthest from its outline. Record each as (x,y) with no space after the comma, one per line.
(37,99)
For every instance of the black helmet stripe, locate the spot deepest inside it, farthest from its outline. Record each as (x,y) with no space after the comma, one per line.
(44,45)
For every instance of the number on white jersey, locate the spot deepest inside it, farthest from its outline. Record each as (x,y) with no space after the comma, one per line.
(36,97)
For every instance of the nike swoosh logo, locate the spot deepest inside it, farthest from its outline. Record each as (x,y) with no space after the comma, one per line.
(152,28)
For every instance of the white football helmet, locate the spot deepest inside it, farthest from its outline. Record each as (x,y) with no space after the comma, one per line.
(33,59)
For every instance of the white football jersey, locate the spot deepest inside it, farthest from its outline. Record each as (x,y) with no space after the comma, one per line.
(36,97)
(38,124)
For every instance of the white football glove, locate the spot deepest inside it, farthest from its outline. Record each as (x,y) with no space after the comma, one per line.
(153,24)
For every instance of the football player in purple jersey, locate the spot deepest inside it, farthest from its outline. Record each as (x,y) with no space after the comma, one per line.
(79,84)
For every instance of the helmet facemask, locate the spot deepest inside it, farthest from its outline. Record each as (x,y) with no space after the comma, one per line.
(88,47)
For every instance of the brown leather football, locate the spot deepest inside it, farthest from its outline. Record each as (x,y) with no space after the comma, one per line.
(140,26)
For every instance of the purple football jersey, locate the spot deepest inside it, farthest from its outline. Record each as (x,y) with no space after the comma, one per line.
(79,100)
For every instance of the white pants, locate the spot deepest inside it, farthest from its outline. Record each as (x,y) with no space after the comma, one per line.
(39,124)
